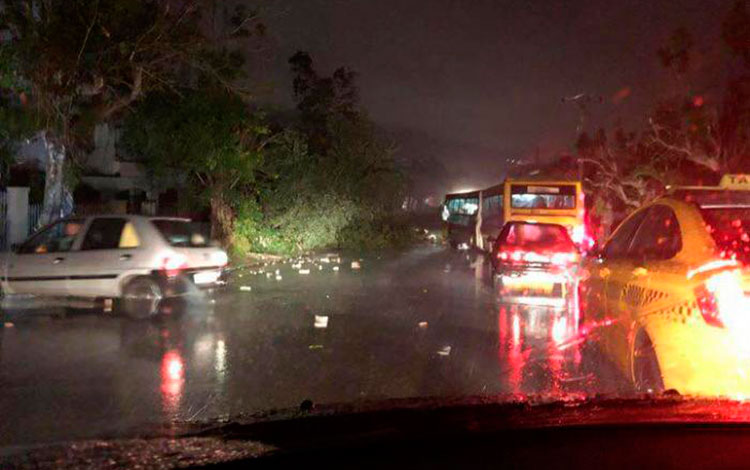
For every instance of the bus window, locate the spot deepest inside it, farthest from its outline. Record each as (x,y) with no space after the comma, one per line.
(543,197)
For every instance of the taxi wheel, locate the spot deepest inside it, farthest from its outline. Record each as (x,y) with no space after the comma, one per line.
(141,298)
(646,371)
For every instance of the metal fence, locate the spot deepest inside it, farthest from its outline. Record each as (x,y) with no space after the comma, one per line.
(35,211)
(3,220)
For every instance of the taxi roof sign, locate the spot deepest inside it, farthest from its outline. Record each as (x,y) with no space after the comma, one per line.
(739,181)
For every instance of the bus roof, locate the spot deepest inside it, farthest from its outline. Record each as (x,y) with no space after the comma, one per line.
(540,181)
(467,194)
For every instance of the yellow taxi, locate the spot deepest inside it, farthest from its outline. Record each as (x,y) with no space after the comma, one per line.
(666,298)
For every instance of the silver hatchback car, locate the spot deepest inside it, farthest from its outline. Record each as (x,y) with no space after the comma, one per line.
(131,261)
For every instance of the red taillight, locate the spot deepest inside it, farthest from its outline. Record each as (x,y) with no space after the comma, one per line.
(173,264)
(722,301)
(708,306)
(562,258)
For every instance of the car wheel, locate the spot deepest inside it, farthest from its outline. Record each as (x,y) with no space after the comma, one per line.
(141,298)
(646,371)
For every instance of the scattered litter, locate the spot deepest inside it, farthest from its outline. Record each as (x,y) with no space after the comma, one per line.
(424,291)
(335,268)
(304,271)
(325,259)
(240,274)
(246,288)
(296,265)
(320,268)
(268,275)
(356,265)
(278,271)
(444,351)
(278,277)
(423,324)
(315,346)
(8,324)
(321,321)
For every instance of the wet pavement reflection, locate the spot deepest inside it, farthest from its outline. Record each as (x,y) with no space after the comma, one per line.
(422,323)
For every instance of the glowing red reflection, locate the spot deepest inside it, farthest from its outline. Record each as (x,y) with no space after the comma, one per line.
(172,380)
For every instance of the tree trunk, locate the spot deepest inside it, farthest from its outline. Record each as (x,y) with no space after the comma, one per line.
(222,220)
(53,206)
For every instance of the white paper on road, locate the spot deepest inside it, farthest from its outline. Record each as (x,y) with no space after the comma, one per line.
(444,351)
(321,321)
(246,288)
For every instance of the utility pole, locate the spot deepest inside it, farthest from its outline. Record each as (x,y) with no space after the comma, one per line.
(582,102)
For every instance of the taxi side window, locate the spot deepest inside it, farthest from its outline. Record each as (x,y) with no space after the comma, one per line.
(108,234)
(617,246)
(659,237)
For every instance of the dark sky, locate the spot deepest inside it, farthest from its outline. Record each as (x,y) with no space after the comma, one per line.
(474,82)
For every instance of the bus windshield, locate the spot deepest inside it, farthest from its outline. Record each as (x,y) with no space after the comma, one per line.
(543,197)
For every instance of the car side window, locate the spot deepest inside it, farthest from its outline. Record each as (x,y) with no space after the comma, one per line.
(110,233)
(659,237)
(57,238)
(617,246)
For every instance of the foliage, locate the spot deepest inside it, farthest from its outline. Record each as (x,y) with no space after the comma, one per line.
(698,132)
(211,137)
(78,62)
(333,181)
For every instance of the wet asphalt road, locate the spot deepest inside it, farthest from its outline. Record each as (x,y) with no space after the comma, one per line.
(422,323)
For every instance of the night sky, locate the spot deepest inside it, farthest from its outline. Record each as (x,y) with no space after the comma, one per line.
(474,82)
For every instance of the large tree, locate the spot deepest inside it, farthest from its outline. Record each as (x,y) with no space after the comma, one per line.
(211,137)
(694,134)
(74,63)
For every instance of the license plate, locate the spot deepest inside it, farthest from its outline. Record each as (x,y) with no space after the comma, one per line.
(206,277)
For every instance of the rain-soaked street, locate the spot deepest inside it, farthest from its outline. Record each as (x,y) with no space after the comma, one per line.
(421,323)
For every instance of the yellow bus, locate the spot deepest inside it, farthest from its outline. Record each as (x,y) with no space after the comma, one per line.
(550,202)
(475,218)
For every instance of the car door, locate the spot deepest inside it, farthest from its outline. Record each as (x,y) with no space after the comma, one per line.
(110,247)
(41,264)
(600,270)
(608,281)
(654,276)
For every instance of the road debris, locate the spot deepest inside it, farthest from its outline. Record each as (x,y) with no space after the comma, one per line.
(356,265)
(321,321)
(304,271)
(278,277)
(335,268)
(315,346)
(8,324)
(246,288)
(423,324)
(444,351)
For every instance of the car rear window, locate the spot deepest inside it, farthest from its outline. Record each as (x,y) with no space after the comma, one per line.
(181,232)
(729,229)
(537,237)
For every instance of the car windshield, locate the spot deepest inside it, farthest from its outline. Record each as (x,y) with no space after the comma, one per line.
(181,233)
(214,212)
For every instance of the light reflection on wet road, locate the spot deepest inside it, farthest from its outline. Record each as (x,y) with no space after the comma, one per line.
(424,323)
